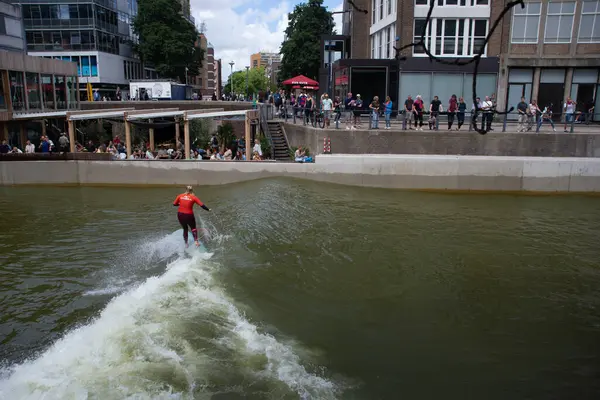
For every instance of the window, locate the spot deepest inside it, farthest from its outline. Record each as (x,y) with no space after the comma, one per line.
(453,37)
(388,47)
(372,46)
(389,7)
(381,9)
(380,44)
(452,2)
(374,13)
(589,25)
(526,23)
(559,22)
(12,27)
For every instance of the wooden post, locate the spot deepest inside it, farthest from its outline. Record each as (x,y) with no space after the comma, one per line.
(176,132)
(186,136)
(151,138)
(72,135)
(43,122)
(248,133)
(127,135)
(23,134)
(4,133)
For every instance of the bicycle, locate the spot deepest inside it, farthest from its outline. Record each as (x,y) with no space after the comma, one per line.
(318,119)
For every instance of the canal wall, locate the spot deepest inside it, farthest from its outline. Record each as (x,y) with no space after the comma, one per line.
(443,142)
(462,173)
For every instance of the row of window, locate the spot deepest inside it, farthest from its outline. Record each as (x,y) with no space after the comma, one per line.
(462,37)
(86,65)
(441,3)
(559,27)
(133,70)
(382,42)
(72,40)
(381,9)
(43,91)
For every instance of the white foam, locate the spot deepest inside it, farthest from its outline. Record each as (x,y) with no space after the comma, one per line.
(137,339)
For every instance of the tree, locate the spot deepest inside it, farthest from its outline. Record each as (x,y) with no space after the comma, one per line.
(301,51)
(167,39)
(257,81)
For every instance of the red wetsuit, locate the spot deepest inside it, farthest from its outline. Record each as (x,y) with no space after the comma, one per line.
(185,213)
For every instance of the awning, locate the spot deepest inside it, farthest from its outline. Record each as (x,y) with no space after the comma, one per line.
(301,80)
(305,87)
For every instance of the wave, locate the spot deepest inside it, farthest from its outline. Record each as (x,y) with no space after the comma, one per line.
(178,336)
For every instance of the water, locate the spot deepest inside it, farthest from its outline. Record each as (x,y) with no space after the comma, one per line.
(309,290)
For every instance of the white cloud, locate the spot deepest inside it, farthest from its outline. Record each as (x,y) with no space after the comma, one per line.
(337,18)
(235,36)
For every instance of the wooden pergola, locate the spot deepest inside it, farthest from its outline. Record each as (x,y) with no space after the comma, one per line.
(130,114)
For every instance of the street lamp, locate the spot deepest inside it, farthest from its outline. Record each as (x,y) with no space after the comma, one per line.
(247,74)
(231,64)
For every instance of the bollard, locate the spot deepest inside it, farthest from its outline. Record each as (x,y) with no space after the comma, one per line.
(337,121)
(326,145)
(572,123)
(504,124)
(294,114)
(537,124)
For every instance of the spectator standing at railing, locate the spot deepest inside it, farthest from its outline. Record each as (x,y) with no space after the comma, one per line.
(358,105)
(4,148)
(309,107)
(452,108)
(435,108)
(534,111)
(349,109)
(488,113)
(63,143)
(569,110)
(388,112)
(460,115)
(374,107)
(327,107)
(547,116)
(409,112)
(29,148)
(418,107)
(337,109)
(522,111)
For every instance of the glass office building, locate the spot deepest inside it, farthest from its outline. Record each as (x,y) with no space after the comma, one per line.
(97,35)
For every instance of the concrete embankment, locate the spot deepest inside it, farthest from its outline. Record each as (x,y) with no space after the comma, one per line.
(466,173)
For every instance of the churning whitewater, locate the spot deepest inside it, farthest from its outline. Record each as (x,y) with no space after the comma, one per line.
(177,335)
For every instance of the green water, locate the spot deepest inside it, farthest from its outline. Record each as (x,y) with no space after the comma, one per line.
(313,291)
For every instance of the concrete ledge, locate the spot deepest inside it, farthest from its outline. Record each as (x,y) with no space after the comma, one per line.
(453,173)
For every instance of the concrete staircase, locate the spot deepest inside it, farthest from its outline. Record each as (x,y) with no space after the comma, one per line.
(281,149)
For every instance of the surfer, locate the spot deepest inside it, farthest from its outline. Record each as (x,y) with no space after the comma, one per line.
(185,213)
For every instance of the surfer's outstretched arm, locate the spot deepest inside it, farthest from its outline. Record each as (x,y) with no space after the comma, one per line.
(201,204)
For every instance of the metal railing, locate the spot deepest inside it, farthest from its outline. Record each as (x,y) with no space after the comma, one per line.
(296,115)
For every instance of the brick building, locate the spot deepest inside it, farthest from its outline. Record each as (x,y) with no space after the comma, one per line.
(457,30)
(205,82)
(551,51)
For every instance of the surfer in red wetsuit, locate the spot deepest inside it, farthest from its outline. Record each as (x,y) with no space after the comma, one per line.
(185,213)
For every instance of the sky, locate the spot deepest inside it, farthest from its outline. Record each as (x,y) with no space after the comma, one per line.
(239,28)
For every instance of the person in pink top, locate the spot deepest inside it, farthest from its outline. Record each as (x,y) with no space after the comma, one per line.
(452,108)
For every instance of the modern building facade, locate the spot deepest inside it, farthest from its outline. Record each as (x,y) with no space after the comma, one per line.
(218,78)
(551,52)
(97,35)
(264,59)
(12,35)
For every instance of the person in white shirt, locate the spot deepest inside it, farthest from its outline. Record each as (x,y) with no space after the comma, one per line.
(327,106)
(228,155)
(488,107)
(257,149)
(29,148)
(569,109)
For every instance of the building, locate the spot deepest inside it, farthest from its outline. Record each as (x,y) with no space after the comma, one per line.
(12,35)
(219,77)
(97,35)
(355,25)
(272,72)
(32,89)
(264,59)
(456,31)
(552,52)
(205,82)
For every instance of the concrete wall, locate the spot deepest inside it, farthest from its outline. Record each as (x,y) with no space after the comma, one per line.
(443,142)
(403,172)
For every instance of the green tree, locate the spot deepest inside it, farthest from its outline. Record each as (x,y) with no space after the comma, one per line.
(167,39)
(257,81)
(301,51)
